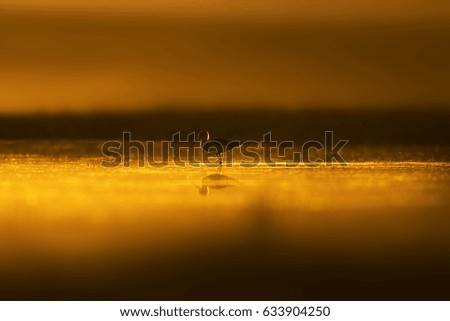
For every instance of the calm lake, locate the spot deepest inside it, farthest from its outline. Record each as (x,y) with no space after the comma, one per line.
(71,229)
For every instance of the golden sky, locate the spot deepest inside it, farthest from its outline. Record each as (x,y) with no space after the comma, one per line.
(270,8)
(119,55)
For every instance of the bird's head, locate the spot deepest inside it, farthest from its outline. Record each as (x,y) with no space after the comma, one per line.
(202,135)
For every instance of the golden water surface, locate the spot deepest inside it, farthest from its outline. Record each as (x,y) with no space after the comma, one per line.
(71,229)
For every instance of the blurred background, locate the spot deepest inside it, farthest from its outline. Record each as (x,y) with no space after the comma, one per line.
(85,56)
(76,73)
(374,71)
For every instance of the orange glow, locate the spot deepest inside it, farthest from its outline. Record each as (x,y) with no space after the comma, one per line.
(106,55)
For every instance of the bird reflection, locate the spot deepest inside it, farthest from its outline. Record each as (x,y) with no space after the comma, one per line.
(215,182)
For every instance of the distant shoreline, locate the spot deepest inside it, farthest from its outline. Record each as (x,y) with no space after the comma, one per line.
(362,127)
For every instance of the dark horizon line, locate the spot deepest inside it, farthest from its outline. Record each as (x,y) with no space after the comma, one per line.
(365,127)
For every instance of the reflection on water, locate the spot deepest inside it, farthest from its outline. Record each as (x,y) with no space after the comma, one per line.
(217,181)
(70,229)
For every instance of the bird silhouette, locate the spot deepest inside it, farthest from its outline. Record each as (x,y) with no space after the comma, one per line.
(216,146)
